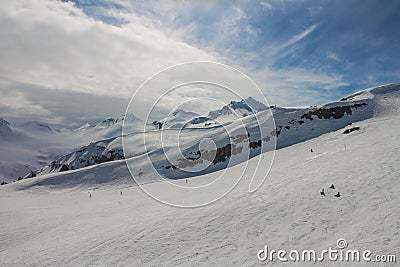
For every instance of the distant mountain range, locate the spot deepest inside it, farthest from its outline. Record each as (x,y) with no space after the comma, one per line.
(32,145)
(35,148)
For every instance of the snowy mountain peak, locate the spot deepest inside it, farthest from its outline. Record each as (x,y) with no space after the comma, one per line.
(371,92)
(242,108)
(112,121)
(176,112)
(233,110)
(255,104)
(176,119)
(240,105)
(5,130)
(84,126)
(4,122)
(183,113)
(37,126)
(129,117)
(107,122)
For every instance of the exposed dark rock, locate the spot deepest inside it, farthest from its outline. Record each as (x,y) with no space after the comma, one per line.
(64,168)
(111,156)
(347,131)
(223,153)
(255,144)
(266,139)
(171,166)
(158,124)
(351,96)
(334,112)
(240,138)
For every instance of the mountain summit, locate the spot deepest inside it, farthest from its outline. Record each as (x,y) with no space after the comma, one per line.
(5,131)
(241,108)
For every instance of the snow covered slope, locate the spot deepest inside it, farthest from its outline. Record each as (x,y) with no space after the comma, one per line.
(292,125)
(111,127)
(94,153)
(232,111)
(33,145)
(41,152)
(176,119)
(5,131)
(236,109)
(51,221)
(21,149)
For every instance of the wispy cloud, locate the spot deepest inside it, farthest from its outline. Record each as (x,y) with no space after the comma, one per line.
(333,56)
(266,5)
(298,86)
(296,38)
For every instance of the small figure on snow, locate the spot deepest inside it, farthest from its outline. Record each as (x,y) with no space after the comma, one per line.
(186,181)
(322,192)
(120,192)
(90,195)
(338,194)
(332,187)
(312,150)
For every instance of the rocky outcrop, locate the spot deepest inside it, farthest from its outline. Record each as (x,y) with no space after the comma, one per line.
(334,112)
(158,124)
(347,131)
(95,153)
(64,168)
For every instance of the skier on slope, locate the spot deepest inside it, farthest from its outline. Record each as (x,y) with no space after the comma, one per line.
(322,192)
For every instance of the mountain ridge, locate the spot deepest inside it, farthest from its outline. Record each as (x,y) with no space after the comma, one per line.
(293,125)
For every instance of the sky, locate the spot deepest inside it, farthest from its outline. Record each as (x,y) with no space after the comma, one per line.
(66,62)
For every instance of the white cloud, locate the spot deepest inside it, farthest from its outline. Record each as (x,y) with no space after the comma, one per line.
(298,86)
(18,103)
(15,105)
(266,5)
(333,56)
(55,45)
(296,38)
